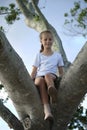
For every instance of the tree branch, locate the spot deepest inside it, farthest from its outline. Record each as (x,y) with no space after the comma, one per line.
(17,82)
(73,88)
(39,12)
(24,9)
(10,118)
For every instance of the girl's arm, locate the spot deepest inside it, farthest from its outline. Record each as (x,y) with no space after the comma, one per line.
(60,68)
(33,73)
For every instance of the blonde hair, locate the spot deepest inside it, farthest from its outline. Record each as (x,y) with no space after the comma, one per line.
(44,32)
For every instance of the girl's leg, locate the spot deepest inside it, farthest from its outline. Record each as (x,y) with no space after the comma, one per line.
(40,83)
(52,91)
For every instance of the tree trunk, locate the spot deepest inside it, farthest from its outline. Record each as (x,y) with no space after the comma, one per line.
(24,95)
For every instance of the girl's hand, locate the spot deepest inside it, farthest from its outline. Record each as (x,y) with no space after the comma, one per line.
(33,73)
(60,68)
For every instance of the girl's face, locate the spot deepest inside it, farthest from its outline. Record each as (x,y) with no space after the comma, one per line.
(47,40)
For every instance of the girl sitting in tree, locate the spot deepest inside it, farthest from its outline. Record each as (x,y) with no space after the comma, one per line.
(44,71)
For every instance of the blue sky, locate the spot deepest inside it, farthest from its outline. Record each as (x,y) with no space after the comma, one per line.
(26,40)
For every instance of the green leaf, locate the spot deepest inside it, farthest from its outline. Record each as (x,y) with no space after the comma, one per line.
(12,5)
(66,14)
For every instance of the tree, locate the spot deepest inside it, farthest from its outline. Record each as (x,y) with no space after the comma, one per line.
(21,89)
(76,23)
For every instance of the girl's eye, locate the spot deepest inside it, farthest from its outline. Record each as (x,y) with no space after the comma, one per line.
(48,39)
(45,39)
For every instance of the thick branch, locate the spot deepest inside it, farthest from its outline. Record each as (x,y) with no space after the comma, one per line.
(10,118)
(72,89)
(17,81)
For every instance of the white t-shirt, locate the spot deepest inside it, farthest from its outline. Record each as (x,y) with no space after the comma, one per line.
(47,64)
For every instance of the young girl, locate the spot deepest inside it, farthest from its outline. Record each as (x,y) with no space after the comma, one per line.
(44,71)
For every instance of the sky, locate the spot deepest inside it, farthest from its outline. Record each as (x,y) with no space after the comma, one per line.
(26,40)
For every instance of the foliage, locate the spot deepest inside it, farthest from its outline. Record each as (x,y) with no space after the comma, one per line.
(79,119)
(11,13)
(76,22)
